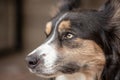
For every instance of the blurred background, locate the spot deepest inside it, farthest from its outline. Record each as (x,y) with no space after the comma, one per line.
(22,25)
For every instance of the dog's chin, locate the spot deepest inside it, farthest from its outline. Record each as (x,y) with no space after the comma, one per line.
(44,74)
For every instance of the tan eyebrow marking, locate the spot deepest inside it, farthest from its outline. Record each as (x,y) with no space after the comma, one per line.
(64,25)
(48,28)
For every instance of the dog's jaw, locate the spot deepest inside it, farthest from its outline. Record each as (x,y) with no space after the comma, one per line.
(91,75)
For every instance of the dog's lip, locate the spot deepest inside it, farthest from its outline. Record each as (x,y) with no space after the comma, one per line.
(46,75)
(41,72)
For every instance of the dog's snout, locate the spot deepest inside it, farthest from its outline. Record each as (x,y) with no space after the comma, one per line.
(32,61)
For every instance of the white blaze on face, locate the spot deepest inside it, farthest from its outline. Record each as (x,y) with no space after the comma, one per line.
(49,51)
(50,55)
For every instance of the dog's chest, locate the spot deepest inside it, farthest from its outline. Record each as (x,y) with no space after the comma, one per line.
(63,77)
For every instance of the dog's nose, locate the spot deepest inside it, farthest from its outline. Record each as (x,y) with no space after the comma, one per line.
(32,61)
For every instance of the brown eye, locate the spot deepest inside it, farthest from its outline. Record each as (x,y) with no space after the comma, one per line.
(68,36)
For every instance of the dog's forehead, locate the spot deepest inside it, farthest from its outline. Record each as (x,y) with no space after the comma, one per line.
(56,23)
(61,21)
(69,20)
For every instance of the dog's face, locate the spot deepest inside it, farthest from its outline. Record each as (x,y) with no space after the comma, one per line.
(80,42)
(69,47)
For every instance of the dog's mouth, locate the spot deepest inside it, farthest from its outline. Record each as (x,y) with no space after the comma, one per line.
(68,68)
(44,72)
(46,75)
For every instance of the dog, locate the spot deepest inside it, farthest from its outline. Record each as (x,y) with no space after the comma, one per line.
(80,44)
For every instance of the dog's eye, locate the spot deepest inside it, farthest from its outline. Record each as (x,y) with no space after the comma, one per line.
(68,36)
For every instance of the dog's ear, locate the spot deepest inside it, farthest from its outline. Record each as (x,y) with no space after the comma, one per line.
(66,5)
(110,13)
(111,9)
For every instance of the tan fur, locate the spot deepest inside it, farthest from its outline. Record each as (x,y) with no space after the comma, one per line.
(48,28)
(64,25)
(89,56)
(116,15)
(116,5)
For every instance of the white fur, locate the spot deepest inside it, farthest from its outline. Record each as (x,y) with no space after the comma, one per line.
(62,77)
(49,51)
(72,77)
(50,58)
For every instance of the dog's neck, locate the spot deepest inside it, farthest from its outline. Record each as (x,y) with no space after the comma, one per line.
(91,75)
(76,77)
(72,77)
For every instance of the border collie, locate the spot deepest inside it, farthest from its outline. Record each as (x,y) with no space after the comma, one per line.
(80,44)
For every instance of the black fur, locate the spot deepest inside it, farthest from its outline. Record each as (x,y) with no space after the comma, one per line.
(70,68)
(111,40)
(68,5)
(103,27)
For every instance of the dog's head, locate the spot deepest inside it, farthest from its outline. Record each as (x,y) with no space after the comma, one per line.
(75,42)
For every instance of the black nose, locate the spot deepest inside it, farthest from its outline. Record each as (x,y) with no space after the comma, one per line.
(32,61)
